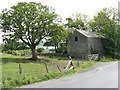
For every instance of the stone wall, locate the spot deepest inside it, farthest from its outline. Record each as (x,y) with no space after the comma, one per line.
(79,48)
(96,44)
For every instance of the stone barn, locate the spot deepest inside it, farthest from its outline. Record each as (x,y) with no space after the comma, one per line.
(83,43)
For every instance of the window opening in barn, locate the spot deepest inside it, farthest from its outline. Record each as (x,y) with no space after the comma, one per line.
(76,38)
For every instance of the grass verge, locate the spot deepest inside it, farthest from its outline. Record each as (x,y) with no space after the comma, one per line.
(34,72)
(107,59)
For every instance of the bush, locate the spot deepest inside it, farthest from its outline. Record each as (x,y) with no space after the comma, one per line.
(15,52)
(8,52)
(52,50)
(39,50)
(18,52)
(93,51)
(61,50)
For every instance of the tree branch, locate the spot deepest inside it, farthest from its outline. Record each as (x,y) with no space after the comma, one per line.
(24,41)
(37,42)
(29,35)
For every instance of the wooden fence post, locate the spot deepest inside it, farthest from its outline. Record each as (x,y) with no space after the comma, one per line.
(46,67)
(20,68)
(58,68)
(78,64)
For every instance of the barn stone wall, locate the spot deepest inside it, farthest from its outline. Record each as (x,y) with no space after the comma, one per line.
(96,44)
(79,48)
(79,45)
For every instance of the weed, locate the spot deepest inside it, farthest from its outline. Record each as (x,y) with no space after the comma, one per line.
(33,72)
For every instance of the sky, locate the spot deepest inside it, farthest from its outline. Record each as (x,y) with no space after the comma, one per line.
(66,8)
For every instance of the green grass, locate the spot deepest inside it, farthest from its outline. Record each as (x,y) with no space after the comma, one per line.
(12,58)
(86,65)
(106,59)
(35,72)
(31,72)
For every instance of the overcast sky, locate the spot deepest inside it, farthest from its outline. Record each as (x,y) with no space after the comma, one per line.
(66,8)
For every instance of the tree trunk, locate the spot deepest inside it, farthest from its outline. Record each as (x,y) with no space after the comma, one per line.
(55,49)
(34,55)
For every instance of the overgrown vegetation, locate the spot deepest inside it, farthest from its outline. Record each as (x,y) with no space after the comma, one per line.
(35,71)
(105,23)
(18,52)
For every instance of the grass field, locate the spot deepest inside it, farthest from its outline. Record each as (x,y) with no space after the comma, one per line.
(31,72)
(35,72)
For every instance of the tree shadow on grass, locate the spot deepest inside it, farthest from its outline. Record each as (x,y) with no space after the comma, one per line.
(8,60)
(22,60)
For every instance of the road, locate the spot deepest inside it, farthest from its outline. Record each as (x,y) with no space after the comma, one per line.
(101,76)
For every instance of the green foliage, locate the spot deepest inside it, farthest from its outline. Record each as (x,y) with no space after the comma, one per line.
(40,49)
(105,24)
(12,43)
(59,50)
(1,46)
(62,48)
(93,51)
(77,21)
(52,50)
(59,35)
(18,52)
(103,17)
(29,22)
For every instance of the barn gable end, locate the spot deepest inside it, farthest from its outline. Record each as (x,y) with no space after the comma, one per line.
(83,43)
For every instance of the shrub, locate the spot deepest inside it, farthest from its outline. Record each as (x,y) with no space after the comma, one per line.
(39,50)
(15,52)
(52,50)
(8,52)
(61,50)
(93,51)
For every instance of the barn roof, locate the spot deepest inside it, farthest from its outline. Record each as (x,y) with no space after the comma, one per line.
(88,33)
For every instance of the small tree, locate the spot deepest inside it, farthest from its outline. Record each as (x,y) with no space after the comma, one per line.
(11,43)
(59,35)
(77,21)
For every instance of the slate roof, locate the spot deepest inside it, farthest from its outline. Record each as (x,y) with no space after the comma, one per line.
(88,33)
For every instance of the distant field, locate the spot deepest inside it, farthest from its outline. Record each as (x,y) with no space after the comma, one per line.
(34,72)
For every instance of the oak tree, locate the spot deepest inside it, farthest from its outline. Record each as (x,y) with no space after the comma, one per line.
(30,22)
